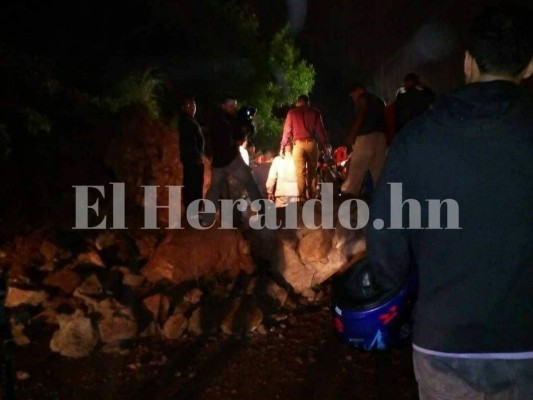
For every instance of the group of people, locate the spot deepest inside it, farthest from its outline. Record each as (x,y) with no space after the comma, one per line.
(366,138)
(374,126)
(272,178)
(226,139)
(473,322)
(281,179)
(293,173)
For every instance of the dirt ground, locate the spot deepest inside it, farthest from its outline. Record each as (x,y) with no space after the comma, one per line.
(299,358)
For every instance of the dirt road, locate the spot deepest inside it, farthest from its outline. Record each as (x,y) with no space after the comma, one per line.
(299,358)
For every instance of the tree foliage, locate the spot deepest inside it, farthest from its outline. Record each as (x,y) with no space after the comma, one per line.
(290,76)
(138,87)
(107,62)
(277,74)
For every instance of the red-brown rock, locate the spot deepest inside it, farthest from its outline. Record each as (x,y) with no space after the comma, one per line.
(158,305)
(17,297)
(65,279)
(175,326)
(188,254)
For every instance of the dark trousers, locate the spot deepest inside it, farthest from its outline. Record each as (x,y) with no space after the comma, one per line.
(193,182)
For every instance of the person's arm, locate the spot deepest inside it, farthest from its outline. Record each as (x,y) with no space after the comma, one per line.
(321,131)
(287,131)
(388,249)
(358,122)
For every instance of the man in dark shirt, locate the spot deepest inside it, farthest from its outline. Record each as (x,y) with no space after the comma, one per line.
(367,140)
(305,127)
(191,152)
(225,138)
(473,321)
(411,100)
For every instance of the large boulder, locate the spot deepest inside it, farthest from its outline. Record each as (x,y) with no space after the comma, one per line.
(189,254)
(307,257)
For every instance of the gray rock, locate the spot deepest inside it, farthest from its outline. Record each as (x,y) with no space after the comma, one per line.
(117,323)
(305,258)
(75,337)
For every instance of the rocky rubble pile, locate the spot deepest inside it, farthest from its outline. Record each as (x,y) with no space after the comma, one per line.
(95,291)
(105,289)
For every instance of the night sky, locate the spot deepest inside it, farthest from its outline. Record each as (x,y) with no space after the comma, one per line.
(378,43)
(373,42)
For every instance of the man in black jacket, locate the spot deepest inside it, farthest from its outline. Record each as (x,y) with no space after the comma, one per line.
(473,322)
(191,151)
(226,136)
